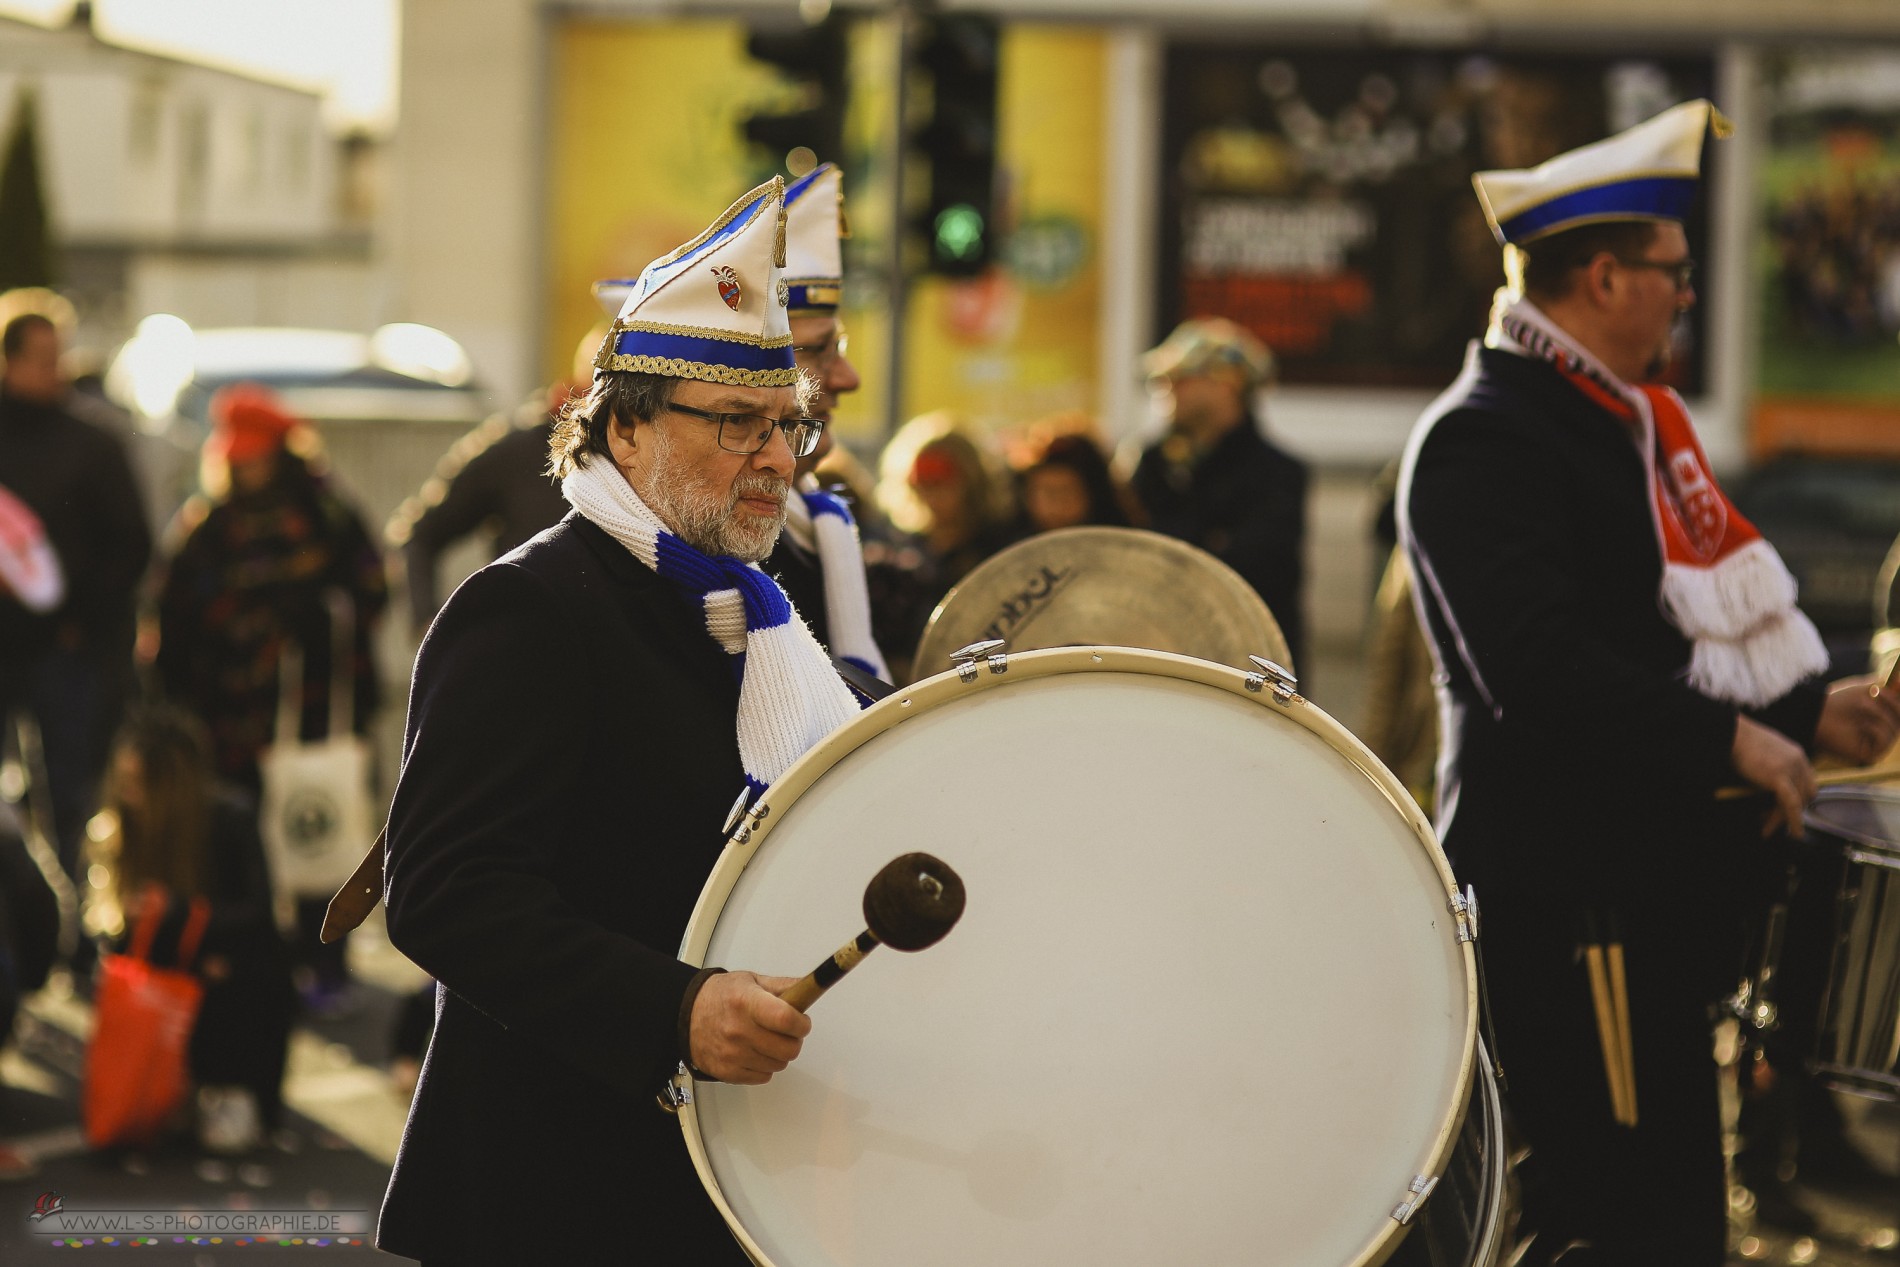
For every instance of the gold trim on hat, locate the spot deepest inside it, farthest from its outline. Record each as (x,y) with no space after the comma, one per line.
(778,244)
(774,186)
(668,367)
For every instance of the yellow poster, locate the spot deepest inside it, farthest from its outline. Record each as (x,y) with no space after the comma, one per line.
(1020,342)
(645,148)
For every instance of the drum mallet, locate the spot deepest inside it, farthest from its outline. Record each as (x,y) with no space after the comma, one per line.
(909,905)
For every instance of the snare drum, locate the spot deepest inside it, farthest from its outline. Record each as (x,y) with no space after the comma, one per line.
(1859,1042)
(1209,1001)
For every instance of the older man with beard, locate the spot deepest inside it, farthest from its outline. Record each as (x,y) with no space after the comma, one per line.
(585,710)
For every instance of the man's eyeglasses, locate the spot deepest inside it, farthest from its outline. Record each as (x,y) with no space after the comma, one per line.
(749,433)
(1681,271)
(824,355)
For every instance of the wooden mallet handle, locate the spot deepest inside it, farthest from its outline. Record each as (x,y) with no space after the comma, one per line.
(908,905)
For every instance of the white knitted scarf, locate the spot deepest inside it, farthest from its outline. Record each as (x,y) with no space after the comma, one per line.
(821,524)
(789,695)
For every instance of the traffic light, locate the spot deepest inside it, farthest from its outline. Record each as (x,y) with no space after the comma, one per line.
(958,141)
(813,56)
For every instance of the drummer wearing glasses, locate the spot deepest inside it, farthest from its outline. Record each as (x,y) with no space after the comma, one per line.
(818,559)
(584,711)
(1614,642)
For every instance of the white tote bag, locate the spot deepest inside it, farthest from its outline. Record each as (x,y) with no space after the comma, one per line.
(317,816)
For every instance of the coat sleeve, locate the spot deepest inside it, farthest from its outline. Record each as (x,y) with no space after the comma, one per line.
(1267,545)
(1488,548)
(469,498)
(492,766)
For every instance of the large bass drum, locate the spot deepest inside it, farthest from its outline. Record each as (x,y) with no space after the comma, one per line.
(1211,1000)
(1087,586)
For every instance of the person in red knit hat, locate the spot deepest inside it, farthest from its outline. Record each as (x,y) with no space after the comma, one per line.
(252,568)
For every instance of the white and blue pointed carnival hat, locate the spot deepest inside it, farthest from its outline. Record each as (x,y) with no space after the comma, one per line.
(714,309)
(1649,172)
(814,224)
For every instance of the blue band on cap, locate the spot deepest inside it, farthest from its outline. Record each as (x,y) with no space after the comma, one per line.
(815,296)
(684,347)
(1645,198)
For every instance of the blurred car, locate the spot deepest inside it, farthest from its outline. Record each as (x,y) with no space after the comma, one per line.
(1834,520)
(387,404)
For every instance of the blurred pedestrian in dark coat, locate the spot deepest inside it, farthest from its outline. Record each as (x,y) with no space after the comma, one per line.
(1215,480)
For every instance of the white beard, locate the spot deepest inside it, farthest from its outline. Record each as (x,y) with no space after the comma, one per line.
(708,522)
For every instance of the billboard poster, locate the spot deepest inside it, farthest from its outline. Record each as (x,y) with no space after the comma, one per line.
(1321,196)
(1828,256)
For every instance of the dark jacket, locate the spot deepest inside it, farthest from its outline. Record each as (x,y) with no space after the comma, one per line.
(1576,793)
(496,481)
(76,478)
(802,577)
(249,575)
(1526,512)
(1244,502)
(570,758)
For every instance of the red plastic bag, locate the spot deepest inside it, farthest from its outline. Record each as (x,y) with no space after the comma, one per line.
(136,1074)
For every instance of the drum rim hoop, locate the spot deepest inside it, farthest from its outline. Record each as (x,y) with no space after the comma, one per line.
(1889,850)
(1210,568)
(919,698)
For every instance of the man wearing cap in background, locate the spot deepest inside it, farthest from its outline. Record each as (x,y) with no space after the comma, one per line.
(584,711)
(70,663)
(1215,480)
(1613,644)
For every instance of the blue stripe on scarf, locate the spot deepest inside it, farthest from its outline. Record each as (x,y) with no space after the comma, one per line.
(766,606)
(699,574)
(826,504)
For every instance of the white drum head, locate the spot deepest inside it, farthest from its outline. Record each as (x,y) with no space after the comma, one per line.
(1206,1003)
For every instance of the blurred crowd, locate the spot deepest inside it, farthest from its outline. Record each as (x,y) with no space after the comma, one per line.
(154,690)
(1838,252)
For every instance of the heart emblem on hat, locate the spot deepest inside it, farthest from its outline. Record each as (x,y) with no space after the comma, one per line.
(728,286)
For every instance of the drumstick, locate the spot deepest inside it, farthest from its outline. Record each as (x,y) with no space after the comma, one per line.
(1822,778)
(909,905)
(1606,1027)
(1620,995)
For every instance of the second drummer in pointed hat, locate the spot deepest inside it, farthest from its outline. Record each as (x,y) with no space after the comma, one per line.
(819,559)
(584,711)
(1613,643)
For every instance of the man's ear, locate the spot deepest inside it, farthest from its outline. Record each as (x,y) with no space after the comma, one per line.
(1599,278)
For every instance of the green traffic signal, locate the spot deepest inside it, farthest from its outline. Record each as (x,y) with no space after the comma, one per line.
(960,232)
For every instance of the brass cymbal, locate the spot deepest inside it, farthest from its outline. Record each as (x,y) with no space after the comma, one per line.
(1121,587)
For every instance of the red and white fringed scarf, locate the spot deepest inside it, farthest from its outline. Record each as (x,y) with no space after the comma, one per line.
(1723,586)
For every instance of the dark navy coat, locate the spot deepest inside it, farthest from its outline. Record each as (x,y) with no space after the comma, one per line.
(570,759)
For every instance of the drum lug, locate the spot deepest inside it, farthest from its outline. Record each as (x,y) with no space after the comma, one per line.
(746,822)
(677,1092)
(1282,679)
(989,651)
(1464,906)
(1416,1196)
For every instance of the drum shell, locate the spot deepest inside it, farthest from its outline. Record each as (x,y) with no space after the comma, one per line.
(1858,1042)
(782,803)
